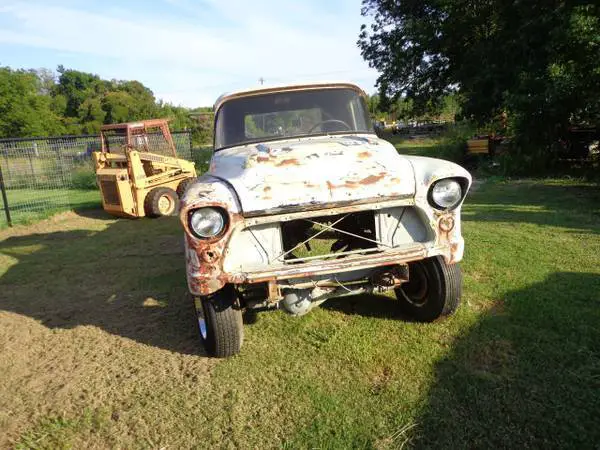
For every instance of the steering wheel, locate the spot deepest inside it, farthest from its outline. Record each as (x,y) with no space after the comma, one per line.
(329,121)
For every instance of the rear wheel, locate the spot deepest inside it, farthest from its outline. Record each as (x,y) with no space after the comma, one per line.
(220,323)
(161,201)
(433,290)
(184,185)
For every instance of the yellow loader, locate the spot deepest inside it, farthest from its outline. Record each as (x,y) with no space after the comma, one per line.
(138,171)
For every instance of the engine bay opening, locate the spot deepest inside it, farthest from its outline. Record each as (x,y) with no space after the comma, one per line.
(328,237)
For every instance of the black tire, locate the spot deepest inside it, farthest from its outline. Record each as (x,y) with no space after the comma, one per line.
(433,290)
(183,185)
(220,323)
(155,201)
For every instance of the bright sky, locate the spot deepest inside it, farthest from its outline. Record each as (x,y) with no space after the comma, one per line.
(189,51)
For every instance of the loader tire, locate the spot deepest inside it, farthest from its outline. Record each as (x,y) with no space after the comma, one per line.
(161,201)
(433,290)
(183,186)
(220,323)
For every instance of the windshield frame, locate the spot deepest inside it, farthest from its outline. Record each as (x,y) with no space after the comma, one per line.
(268,92)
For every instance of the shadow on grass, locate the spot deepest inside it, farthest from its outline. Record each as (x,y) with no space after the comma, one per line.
(536,202)
(128,279)
(91,211)
(378,306)
(527,375)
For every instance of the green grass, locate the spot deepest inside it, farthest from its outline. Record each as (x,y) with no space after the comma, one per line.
(98,344)
(419,147)
(30,205)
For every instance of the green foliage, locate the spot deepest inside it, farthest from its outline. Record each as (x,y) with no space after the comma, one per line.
(451,145)
(84,178)
(537,61)
(39,103)
(454,142)
(201,156)
(403,108)
(24,111)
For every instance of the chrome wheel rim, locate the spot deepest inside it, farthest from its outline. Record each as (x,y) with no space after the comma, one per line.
(201,318)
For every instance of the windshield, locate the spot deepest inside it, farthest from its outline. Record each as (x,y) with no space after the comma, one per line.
(288,114)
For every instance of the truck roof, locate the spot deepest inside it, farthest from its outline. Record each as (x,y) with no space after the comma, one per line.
(259,90)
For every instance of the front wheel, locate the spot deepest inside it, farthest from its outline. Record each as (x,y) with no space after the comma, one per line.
(433,290)
(220,323)
(161,201)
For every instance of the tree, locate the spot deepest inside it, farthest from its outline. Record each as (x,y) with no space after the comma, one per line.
(537,60)
(35,102)
(24,111)
(119,107)
(91,115)
(78,86)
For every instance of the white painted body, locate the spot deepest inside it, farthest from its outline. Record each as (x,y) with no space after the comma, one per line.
(312,171)
(263,186)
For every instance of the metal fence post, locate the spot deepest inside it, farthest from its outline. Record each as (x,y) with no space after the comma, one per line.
(5,199)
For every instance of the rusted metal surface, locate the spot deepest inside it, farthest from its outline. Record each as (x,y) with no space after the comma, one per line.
(311,171)
(350,262)
(204,257)
(264,186)
(293,212)
(274,294)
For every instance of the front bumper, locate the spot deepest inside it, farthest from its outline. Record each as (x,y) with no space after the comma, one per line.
(207,273)
(201,282)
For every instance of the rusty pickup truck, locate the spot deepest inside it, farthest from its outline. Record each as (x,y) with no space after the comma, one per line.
(303,202)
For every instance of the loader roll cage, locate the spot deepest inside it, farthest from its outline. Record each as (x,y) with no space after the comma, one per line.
(151,136)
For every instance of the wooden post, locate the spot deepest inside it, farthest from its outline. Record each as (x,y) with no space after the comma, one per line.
(5,199)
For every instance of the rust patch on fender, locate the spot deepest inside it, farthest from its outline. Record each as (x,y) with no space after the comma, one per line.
(445,223)
(330,186)
(372,179)
(364,155)
(208,277)
(288,162)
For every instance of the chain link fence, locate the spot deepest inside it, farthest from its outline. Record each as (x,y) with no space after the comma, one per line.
(40,176)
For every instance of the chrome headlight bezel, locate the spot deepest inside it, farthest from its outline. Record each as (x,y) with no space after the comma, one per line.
(218,214)
(434,197)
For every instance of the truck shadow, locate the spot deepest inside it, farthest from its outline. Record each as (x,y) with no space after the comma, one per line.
(367,305)
(525,376)
(127,278)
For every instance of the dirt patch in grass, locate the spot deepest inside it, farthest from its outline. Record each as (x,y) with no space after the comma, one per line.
(492,358)
(94,320)
(381,379)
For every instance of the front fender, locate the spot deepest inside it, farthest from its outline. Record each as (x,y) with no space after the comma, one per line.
(209,189)
(446,223)
(204,257)
(429,170)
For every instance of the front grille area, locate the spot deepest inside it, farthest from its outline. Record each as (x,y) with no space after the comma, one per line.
(110,192)
(328,237)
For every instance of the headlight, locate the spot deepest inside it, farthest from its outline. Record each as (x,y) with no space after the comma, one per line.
(207,222)
(446,194)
